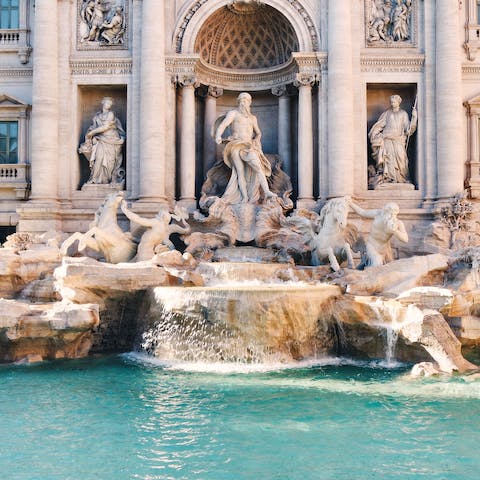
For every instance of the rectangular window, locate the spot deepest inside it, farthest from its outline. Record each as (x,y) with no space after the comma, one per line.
(477,8)
(8,142)
(9,14)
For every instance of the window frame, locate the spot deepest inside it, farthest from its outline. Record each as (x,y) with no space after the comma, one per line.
(8,136)
(17,39)
(10,9)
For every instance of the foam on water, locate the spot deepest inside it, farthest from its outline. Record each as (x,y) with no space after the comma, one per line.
(400,385)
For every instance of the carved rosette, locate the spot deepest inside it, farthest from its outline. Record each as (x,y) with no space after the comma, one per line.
(102,24)
(391,23)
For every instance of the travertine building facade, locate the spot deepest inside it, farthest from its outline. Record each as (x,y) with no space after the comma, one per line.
(320,72)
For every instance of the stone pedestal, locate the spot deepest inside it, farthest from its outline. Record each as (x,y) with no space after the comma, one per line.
(246,214)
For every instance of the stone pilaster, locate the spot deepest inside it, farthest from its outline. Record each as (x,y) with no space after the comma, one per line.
(284,142)
(45,113)
(41,213)
(340,98)
(209,145)
(449,110)
(187,143)
(152,104)
(305,198)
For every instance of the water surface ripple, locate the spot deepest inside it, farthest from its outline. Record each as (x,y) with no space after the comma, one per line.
(123,417)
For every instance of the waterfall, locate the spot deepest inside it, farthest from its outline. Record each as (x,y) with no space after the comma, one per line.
(248,323)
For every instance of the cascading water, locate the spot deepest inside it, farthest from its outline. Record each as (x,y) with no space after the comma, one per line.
(260,323)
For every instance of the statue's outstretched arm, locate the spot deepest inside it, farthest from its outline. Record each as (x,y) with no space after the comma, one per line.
(133,217)
(363,213)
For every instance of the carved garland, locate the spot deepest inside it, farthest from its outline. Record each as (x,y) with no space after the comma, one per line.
(293,3)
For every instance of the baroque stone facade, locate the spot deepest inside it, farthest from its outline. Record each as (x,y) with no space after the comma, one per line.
(320,73)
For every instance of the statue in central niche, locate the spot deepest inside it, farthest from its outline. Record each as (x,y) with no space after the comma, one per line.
(243,155)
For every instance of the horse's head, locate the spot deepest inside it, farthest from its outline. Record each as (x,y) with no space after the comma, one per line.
(114,200)
(336,210)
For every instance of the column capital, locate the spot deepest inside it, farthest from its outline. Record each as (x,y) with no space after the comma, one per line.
(305,80)
(187,80)
(214,91)
(280,91)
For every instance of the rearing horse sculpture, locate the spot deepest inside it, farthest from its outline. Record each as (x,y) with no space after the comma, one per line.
(331,240)
(104,235)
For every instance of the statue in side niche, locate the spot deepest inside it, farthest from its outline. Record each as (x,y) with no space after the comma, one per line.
(103,146)
(385,226)
(156,231)
(389,140)
(243,154)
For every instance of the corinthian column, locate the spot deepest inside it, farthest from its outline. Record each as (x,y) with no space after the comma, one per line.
(340,98)
(450,158)
(305,141)
(45,112)
(152,104)
(283,127)
(209,145)
(187,143)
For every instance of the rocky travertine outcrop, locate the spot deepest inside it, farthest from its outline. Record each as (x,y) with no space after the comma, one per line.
(17,269)
(45,331)
(256,310)
(395,277)
(85,280)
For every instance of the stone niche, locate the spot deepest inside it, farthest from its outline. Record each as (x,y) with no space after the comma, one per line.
(89,103)
(265,108)
(378,100)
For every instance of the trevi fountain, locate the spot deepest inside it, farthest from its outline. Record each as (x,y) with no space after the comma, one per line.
(263,316)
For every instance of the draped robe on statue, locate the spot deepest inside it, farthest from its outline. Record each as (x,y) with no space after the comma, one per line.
(247,151)
(388,137)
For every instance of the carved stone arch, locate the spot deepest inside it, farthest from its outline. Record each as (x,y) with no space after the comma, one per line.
(195,15)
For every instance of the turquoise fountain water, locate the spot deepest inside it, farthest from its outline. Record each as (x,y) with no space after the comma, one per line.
(130,417)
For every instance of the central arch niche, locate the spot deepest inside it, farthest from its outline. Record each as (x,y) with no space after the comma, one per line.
(246,37)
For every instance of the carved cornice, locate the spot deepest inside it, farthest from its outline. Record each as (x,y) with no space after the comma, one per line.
(295,4)
(404,63)
(470,69)
(306,64)
(254,80)
(15,72)
(181,67)
(101,67)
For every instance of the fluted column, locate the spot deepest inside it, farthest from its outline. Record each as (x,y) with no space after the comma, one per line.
(187,143)
(305,141)
(152,104)
(284,142)
(209,145)
(340,98)
(450,158)
(45,112)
